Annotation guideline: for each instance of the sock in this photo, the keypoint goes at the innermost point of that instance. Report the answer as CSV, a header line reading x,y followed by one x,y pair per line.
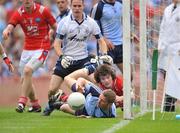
x,y
63,98
22,100
35,103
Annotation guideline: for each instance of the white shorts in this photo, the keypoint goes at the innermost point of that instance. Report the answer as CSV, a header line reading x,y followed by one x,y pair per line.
x,y
33,59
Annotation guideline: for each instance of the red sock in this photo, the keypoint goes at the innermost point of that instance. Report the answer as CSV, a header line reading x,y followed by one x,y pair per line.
x,y
64,98
35,103
23,100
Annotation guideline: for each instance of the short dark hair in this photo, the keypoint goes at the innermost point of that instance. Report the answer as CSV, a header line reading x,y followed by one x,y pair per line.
x,y
110,95
104,70
82,1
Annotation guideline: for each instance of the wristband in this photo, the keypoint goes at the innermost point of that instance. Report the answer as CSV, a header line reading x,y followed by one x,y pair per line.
x,y
4,56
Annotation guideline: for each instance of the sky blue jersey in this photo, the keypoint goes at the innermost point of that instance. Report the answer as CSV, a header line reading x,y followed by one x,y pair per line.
x,y
91,108
109,18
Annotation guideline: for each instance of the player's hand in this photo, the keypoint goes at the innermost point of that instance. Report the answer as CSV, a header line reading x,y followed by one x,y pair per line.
x,y
106,59
109,44
9,64
6,34
66,61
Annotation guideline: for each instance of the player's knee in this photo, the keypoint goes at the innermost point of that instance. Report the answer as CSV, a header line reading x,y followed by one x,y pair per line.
x,y
66,79
27,71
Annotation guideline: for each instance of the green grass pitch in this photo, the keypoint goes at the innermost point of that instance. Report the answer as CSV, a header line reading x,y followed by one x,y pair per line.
x,y
58,122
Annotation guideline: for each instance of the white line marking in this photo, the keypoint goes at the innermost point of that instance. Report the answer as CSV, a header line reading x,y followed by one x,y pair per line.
x,y
117,126
121,124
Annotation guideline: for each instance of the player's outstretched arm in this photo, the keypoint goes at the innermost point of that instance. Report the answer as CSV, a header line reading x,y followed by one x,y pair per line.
x,y
7,31
6,59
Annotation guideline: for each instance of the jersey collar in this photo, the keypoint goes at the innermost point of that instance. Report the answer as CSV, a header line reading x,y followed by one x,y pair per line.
x,y
84,18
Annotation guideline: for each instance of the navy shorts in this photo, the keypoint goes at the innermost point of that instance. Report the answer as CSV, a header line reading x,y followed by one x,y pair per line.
x,y
117,54
75,65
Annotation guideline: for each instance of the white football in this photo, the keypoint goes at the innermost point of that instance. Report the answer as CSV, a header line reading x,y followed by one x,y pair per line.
x,y
76,100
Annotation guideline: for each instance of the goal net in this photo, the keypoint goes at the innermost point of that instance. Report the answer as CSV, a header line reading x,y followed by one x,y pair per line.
x,y
145,19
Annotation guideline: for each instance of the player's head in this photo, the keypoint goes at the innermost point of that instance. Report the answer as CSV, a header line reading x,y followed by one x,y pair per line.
x,y
105,75
106,99
176,1
28,4
62,5
77,7
111,1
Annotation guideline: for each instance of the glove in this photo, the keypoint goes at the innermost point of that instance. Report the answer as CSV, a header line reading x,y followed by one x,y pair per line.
x,y
65,61
106,59
8,63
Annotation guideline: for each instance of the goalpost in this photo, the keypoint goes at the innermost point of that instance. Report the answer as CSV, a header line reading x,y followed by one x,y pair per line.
x,y
127,58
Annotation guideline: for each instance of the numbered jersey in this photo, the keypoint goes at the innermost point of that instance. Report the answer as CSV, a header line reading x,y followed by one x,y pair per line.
x,y
35,26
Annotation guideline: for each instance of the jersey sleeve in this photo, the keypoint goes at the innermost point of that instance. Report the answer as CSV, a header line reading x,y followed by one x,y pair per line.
x,y
61,29
49,17
93,89
96,30
15,19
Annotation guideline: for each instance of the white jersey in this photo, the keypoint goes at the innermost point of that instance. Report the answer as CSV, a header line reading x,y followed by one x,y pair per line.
x,y
76,35
169,37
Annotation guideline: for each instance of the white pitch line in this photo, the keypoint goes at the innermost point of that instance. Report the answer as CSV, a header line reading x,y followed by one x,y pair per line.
x,y
122,124
117,126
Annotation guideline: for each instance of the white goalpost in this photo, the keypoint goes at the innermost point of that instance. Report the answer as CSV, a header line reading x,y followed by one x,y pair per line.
x,y
126,60
143,56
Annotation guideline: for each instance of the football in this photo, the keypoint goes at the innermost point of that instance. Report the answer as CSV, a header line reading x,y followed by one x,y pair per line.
x,y
76,100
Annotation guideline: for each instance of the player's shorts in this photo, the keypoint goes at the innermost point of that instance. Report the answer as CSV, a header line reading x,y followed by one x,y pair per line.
x,y
33,59
75,65
117,54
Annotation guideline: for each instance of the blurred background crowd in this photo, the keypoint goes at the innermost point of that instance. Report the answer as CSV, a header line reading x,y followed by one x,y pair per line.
x,y
14,47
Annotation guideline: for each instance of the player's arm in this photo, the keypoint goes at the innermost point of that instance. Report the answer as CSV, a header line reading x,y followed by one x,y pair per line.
x,y
103,47
57,46
7,31
52,32
102,44
71,78
51,22
96,14
6,59
84,86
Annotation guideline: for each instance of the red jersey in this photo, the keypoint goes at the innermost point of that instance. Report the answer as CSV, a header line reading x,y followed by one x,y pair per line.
x,y
117,86
35,26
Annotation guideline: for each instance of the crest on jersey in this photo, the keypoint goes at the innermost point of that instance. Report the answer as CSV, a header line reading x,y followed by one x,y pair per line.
x,y
37,20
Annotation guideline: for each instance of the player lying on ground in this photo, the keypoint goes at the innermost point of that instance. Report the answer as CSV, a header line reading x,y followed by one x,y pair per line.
x,y
6,59
105,77
99,103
